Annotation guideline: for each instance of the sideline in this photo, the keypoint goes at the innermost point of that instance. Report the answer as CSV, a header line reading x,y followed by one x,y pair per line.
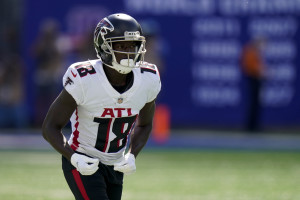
x,y
183,139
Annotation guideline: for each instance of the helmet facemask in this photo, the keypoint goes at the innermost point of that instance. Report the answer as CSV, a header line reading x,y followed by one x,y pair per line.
x,y
131,57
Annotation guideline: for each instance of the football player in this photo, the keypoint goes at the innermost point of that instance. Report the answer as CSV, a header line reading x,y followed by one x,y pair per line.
x,y
107,100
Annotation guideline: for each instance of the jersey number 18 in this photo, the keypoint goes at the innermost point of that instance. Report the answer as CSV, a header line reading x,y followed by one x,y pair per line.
x,y
120,127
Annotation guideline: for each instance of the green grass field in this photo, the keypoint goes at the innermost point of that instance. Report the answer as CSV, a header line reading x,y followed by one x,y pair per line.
x,y
164,175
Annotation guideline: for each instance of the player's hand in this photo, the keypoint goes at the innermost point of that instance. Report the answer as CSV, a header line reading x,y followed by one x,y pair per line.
x,y
127,165
85,165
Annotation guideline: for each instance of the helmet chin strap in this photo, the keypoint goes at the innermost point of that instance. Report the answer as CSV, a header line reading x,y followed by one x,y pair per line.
x,y
124,67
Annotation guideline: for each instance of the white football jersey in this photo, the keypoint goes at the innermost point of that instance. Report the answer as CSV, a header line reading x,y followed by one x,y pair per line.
x,y
104,118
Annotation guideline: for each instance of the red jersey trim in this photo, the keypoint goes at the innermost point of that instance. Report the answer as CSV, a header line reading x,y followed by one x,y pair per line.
x,y
75,143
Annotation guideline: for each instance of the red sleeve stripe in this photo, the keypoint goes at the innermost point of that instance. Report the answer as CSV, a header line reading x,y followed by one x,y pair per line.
x,y
75,142
79,184
148,70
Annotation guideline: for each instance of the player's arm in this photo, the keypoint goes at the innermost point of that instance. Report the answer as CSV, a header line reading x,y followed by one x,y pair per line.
x,y
143,128
57,117
138,139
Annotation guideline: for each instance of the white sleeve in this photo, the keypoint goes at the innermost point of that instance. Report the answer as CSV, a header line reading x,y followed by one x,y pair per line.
x,y
155,86
72,83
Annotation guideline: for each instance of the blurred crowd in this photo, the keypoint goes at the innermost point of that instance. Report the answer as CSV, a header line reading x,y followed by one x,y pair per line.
x,y
12,109
52,52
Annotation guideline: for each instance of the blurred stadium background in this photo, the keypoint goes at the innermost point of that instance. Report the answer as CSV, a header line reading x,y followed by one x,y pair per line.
x,y
203,121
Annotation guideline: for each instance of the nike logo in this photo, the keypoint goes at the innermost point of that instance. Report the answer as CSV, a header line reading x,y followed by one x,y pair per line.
x,y
73,74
